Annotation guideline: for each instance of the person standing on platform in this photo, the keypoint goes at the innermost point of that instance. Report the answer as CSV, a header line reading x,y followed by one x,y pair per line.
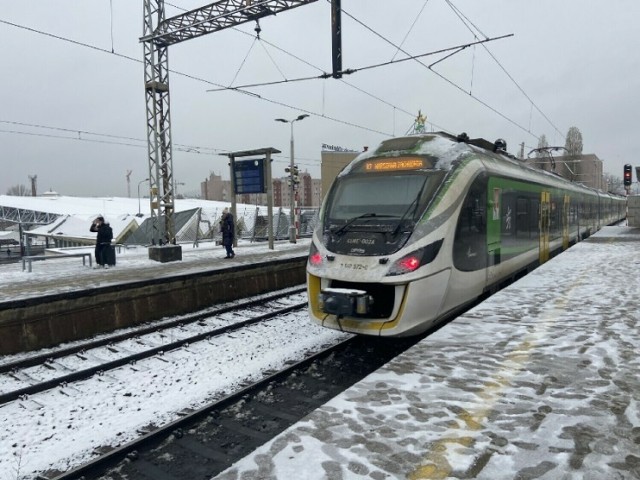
x,y
103,240
227,227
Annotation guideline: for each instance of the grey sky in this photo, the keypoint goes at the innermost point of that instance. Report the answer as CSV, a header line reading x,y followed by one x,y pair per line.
x,y
576,60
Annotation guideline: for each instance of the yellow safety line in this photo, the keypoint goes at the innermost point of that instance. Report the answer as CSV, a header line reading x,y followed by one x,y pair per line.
x,y
436,466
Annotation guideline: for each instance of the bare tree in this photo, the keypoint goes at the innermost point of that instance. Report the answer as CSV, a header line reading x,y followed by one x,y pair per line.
x,y
614,184
19,191
573,143
542,143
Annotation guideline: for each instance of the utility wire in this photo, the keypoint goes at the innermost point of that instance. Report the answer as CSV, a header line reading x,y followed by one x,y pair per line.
x,y
371,95
193,77
456,49
462,18
111,12
450,82
105,135
243,61
200,150
411,28
271,58
322,115
395,107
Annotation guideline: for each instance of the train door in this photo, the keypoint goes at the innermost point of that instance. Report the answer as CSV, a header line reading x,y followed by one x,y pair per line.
x,y
494,229
565,222
545,214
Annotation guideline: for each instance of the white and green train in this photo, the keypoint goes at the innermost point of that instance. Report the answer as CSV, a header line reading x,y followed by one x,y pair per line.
x,y
423,225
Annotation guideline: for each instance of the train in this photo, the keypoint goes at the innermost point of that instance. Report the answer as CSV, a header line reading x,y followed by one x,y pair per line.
x,y
422,226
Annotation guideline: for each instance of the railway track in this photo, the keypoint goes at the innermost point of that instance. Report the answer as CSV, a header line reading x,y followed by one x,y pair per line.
x,y
39,373
204,442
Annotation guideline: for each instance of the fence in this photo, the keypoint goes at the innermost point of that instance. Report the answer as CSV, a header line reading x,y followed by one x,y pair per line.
x,y
251,224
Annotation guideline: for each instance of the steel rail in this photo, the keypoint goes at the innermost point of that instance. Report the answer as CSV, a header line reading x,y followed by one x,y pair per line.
x,y
88,372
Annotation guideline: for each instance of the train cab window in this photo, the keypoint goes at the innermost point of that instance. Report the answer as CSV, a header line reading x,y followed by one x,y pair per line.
x,y
470,243
397,195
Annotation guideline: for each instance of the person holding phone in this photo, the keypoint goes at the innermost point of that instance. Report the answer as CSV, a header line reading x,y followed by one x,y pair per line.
x,y
103,241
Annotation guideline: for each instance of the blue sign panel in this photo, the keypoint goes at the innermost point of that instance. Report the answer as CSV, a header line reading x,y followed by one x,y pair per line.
x,y
249,176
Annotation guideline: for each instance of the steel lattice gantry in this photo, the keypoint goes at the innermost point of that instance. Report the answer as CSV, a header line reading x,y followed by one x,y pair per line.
x,y
159,34
26,216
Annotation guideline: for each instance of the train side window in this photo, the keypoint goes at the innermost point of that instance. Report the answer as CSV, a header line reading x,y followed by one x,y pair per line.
x,y
522,217
470,243
534,224
507,227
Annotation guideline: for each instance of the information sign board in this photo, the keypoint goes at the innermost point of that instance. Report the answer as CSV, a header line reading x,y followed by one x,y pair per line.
x,y
249,176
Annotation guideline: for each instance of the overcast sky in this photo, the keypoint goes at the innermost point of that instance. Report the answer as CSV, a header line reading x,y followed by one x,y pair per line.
x,y
568,63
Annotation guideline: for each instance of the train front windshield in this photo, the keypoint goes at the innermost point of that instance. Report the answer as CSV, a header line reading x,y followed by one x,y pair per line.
x,y
398,195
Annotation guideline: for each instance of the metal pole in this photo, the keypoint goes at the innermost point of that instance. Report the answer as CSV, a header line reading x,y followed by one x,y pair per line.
x,y
292,218
139,183
269,181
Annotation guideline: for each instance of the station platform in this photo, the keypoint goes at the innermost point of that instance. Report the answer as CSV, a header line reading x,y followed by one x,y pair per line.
x,y
62,299
541,381
132,265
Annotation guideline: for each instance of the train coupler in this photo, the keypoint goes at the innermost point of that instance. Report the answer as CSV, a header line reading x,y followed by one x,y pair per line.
x,y
344,301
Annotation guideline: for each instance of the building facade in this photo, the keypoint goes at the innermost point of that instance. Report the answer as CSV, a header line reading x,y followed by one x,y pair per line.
x,y
309,191
584,169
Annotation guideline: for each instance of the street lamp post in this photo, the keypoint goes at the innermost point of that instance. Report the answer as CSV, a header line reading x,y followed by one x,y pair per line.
x,y
139,183
292,224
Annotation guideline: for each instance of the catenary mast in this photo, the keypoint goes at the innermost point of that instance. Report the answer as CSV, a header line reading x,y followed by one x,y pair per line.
x,y
159,33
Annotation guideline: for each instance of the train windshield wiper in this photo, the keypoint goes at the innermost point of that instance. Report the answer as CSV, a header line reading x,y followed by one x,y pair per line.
x,y
344,227
414,205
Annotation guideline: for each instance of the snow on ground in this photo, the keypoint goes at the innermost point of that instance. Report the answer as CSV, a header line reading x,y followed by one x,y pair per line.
x,y
540,381
60,275
63,428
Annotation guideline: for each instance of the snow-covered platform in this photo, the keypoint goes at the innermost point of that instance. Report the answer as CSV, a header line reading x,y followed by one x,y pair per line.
x,y
62,300
540,381
133,265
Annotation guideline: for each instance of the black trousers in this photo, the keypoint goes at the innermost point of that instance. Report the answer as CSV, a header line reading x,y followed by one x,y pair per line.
x,y
100,253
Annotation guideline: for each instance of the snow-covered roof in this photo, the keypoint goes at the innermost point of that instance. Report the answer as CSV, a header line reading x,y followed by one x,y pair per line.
x,y
77,213
106,206
77,226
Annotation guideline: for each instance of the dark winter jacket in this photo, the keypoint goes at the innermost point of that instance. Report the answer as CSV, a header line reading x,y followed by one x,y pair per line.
x,y
105,233
227,228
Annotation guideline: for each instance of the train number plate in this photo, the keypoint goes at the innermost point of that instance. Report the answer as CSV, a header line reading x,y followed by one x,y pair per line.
x,y
354,266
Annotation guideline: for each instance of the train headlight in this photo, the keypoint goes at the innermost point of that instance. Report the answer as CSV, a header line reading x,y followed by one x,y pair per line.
x,y
415,259
315,257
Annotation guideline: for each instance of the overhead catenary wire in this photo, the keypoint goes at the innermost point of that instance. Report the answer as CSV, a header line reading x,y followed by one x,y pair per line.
x,y
450,82
309,64
193,77
464,19
193,149
243,61
452,50
415,20
341,80
97,134
111,14
261,97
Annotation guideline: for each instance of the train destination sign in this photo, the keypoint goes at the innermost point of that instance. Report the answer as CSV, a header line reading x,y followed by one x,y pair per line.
x,y
249,176
392,164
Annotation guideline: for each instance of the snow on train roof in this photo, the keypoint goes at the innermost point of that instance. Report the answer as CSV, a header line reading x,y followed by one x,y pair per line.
x,y
445,149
